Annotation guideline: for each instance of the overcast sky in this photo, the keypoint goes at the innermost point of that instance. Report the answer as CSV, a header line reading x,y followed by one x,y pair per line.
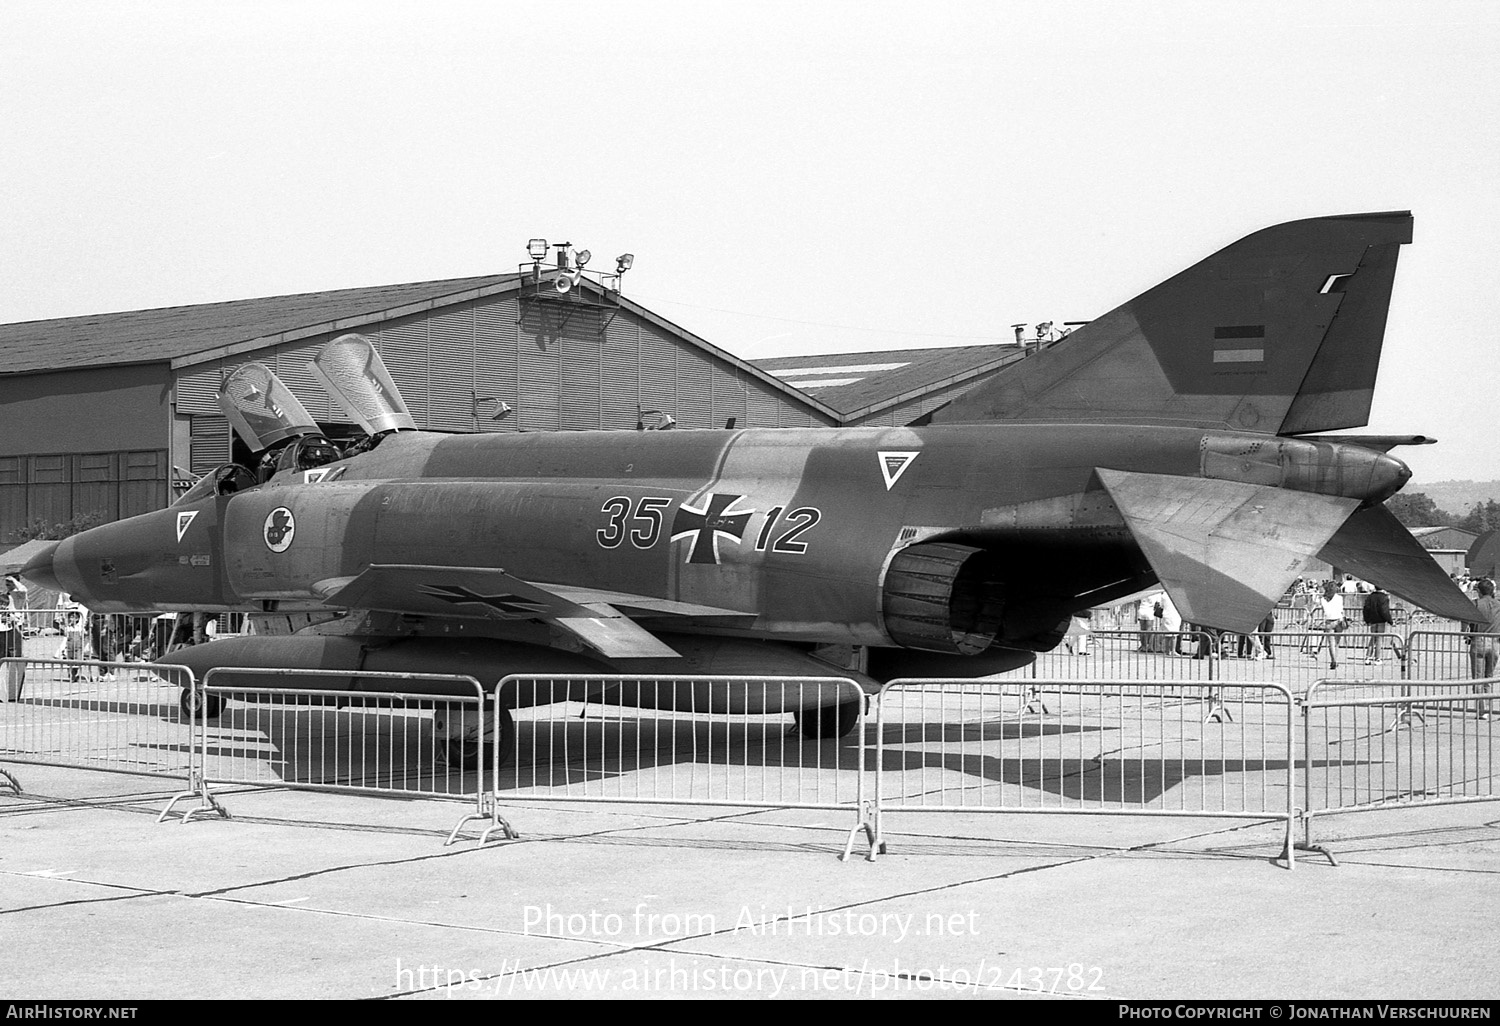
x,y
793,178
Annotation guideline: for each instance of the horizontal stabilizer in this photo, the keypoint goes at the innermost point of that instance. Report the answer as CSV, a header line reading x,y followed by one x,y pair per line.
x,y
1225,551
1373,546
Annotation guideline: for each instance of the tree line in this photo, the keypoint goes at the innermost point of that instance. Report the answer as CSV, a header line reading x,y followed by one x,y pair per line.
x,y
1416,509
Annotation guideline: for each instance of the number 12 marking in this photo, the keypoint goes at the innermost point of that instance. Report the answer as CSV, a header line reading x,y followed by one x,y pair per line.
x,y
806,518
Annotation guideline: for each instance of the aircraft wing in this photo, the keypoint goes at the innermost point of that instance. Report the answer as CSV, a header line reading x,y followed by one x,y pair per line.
x,y
648,606
483,593
1225,551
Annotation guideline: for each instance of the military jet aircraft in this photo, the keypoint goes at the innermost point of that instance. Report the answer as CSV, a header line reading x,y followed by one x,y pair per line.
x,y
1168,440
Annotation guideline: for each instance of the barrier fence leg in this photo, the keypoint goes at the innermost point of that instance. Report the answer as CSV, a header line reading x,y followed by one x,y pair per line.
x,y
1405,713
1307,842
1307,793
497,822
197,765
489,800
11,781
486,809
864,821
206,800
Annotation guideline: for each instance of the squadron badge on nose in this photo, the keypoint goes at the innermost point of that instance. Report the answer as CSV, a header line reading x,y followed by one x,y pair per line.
x,y
279,529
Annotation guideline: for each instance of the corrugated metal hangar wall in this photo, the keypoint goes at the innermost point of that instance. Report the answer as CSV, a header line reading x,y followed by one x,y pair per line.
x,y
560,366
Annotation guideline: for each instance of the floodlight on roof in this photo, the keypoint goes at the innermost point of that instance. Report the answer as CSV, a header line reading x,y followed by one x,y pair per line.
x,y
623,262
536,248
581,257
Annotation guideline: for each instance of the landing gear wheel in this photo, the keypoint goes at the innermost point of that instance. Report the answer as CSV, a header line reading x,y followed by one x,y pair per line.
x,y
207,707
828,722
472,753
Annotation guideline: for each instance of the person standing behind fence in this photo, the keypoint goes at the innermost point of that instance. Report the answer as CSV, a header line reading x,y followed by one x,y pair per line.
x,y
1145,616
1482,643
75,638
1377,615
1171,624
1333,622
1263,635
11,636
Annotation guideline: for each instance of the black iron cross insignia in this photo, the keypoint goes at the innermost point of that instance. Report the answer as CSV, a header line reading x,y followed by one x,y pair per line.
x,y
717,518
510,605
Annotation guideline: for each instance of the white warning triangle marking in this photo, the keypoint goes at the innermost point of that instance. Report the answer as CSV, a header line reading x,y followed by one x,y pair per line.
x,y
183,520
894,464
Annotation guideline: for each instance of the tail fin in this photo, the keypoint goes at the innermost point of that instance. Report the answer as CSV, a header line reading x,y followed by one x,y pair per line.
x,y
1278,333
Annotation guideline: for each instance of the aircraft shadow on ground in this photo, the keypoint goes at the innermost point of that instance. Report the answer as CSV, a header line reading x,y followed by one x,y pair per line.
x,y
594,756
359,748
162,711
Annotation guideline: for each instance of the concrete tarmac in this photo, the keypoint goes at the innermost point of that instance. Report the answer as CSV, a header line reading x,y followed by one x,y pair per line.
x,y
316,895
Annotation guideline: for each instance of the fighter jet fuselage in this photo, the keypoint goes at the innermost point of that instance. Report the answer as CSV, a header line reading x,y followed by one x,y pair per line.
x,y
791,534
1170,440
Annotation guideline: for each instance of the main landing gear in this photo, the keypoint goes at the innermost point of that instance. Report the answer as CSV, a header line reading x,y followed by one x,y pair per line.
x,y
195,705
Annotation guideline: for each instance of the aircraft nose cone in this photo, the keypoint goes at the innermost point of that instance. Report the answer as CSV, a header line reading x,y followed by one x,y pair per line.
x,y
40,571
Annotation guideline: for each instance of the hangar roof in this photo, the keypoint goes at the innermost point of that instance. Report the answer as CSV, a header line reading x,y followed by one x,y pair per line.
x,y
203,332
151,336
859,384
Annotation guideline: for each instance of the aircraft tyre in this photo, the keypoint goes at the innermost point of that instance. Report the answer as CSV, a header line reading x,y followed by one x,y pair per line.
x,y
471,753
828,722
207,707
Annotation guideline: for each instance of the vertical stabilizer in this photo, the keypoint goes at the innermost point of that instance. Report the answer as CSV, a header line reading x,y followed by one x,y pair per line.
x,y
1277,333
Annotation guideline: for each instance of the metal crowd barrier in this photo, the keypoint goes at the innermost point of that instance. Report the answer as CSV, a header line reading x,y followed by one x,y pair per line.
x,y
370,742
89,714
1377,745
695,740
1131,655
1446,655
1142,747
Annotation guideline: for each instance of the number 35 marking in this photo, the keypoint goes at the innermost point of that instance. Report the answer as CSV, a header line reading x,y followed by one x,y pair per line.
x,y
647,521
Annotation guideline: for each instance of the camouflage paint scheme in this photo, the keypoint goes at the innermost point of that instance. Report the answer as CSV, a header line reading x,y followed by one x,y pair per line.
x,y
1152,445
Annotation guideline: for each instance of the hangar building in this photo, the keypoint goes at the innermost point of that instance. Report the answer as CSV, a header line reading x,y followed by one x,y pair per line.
x,y
104,415
108,415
